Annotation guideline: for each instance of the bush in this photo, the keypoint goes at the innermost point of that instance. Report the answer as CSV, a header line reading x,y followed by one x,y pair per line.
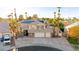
x,y
76,46
73,40
61,26
74,32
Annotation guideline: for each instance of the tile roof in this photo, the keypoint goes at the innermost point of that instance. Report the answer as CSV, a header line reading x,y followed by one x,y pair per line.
x,y
4,27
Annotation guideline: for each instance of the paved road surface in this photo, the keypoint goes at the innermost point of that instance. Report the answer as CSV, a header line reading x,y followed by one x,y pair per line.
x,y
60,43
4,47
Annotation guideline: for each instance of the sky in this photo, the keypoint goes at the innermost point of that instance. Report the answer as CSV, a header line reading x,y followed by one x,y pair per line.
x,y
22,6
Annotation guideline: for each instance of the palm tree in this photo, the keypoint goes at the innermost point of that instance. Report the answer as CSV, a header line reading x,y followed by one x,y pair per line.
x,y
55,23
26,15
13,25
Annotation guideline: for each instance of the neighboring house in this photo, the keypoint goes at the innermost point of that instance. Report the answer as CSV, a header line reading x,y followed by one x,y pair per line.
x,y
66,23
36,28
72,25
69,28
4,27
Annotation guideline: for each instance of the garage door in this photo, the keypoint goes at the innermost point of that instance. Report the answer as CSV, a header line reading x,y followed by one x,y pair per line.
x,y
39,34
0,35
48,34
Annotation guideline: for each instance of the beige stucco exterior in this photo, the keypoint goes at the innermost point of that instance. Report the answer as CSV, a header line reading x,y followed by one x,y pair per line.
x,y
38,29
42,34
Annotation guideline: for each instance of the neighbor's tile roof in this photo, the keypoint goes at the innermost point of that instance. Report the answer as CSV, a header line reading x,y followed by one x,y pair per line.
x,y
4,27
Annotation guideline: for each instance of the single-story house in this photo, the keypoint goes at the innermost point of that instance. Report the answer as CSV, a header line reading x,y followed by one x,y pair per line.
x,y
4,28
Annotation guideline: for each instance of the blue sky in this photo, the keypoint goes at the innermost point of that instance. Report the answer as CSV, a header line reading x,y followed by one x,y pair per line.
x,y
41,11
70,12
41,7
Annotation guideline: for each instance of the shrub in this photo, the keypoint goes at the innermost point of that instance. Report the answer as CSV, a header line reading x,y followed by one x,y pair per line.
x,y
73,40
61,26
74,32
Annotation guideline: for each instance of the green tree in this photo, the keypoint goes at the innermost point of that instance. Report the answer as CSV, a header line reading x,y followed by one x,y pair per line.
x,y
61,26
50,21
25,15
21,17
57,25
1,19
35,17
13,25
28,18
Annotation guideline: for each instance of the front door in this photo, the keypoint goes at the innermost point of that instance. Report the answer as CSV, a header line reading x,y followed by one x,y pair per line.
x,y
25,32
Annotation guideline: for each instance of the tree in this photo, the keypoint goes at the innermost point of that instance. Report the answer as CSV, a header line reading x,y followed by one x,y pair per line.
x,y
13,25
54,23
74,32
28,18
1,19
43,18
35,17
75,19
57,26
61,26
21,17
25,15
50,21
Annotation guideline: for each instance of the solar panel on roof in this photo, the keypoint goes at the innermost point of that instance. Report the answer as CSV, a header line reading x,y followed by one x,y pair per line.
x,y
27,21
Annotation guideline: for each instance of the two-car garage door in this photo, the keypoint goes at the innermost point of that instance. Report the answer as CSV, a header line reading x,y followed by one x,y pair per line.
x,y
41,34
37,34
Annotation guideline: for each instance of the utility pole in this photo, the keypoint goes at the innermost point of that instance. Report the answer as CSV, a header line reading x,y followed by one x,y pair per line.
x,y
15,14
